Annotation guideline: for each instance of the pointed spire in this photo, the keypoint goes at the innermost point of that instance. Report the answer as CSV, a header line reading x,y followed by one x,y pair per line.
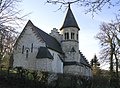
x,y
69,20
68,5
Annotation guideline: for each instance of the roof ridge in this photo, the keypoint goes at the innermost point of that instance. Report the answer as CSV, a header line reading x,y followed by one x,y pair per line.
x,y
28,23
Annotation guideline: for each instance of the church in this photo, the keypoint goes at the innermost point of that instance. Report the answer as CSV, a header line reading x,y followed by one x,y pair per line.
x,y
56,52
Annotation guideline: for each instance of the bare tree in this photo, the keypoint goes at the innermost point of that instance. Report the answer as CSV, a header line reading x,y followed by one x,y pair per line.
x,y
109,38
9,14
7,40
91,5
10,20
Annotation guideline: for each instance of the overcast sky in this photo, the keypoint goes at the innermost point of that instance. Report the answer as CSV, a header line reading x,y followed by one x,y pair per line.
x,y
46,18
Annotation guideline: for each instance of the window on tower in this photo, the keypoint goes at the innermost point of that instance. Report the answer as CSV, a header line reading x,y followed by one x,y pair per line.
x,y
77,36
72,35
66,36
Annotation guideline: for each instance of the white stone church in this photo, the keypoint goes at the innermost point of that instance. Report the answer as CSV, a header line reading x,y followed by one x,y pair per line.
x,y
56,52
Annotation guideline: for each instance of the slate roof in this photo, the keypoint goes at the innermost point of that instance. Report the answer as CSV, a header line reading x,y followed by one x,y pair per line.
x,y
83,60
50,41
69,20
43,52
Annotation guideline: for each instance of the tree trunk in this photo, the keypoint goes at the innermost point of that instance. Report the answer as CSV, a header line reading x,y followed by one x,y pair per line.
x,y
111,65
111,59
117,75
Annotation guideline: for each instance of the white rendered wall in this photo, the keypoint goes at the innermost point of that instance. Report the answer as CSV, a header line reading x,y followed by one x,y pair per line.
x,y
52,65
73,69
44,64
28,37
57,64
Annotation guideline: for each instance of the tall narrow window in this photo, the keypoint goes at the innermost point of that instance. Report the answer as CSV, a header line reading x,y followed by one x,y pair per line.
x,y
72,35
27,53
31,47
77,36
66,36
23,49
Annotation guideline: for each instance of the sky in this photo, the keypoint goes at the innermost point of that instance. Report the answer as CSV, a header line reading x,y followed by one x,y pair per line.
x,y
46,17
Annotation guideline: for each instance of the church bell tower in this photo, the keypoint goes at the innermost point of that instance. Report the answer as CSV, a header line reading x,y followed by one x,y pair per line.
x,y
70,41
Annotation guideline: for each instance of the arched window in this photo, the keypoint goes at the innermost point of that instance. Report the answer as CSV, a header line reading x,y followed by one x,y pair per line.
x,y
66,36
27,53
77,36
72,35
